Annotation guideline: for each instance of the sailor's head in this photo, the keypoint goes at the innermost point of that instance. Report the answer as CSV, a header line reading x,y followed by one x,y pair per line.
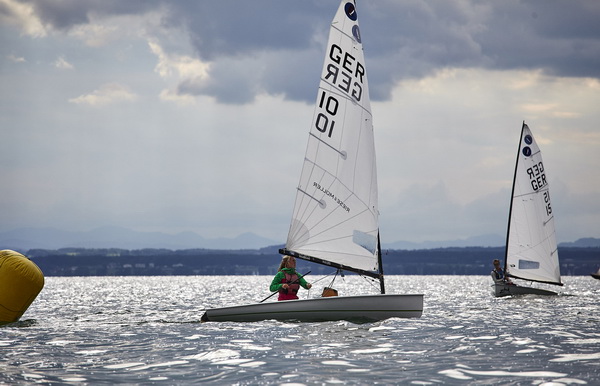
x,y
496,263
290,261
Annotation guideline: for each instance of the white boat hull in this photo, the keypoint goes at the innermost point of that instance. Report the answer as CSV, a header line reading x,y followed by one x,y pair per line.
x,y
513,289
358,309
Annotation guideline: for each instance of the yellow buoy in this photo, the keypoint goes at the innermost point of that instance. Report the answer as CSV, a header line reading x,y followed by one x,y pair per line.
x,y
20,282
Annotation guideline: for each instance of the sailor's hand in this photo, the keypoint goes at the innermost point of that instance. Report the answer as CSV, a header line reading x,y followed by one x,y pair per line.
x,y
284,286
308,285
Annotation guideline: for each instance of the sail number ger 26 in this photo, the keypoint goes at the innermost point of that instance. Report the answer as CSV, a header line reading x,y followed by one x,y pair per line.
x,y
537,178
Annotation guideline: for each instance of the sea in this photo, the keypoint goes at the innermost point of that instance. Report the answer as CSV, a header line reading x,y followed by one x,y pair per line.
x,y
147,330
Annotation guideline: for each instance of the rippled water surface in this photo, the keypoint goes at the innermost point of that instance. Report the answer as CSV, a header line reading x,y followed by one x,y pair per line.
x,y
144,330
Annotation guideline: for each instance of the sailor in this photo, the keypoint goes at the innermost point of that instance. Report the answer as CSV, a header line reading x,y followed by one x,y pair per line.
x,y
287,281
498,274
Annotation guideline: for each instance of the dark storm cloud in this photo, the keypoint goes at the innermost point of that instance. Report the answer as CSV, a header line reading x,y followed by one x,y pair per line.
x,y
560,37
228,27
64,14
278,45
408,39
273,43
412,39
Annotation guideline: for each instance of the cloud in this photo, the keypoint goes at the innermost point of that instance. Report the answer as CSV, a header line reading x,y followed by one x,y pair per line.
x,y
185,69
275,47
23,16
62,64
16,59
106,94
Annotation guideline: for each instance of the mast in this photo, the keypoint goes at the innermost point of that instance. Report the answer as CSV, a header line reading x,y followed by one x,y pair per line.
x,y
380,264
512,197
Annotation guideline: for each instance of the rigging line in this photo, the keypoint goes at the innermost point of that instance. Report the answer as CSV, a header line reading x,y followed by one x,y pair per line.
x,y
370,281
323,278
333,280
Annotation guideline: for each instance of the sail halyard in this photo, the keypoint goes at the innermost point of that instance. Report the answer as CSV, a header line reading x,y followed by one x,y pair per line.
x,y
531,250
335,216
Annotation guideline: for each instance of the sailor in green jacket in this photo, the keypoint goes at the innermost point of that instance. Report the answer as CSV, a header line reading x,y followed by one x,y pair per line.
x,y
287,281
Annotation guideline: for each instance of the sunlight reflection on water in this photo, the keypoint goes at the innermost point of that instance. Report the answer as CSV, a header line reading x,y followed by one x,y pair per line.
x,y
146,329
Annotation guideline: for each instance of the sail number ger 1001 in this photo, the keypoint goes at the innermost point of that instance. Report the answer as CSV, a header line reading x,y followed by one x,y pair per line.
x,y
347,74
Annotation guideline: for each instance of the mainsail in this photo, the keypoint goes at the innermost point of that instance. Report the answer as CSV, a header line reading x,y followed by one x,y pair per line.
x,y
335,217
531,251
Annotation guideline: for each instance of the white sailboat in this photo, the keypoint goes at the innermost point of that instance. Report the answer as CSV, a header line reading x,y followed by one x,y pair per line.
x,y
335,217
531,251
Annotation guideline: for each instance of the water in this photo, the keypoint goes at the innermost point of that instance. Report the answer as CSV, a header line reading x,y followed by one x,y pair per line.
x,y
143,330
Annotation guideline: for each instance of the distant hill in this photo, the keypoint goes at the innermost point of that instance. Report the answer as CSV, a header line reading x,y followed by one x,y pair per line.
x,y
587,242
489,240
119,237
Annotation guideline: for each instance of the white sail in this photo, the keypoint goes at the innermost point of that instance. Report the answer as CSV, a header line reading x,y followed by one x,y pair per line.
x,y
335,216
531,251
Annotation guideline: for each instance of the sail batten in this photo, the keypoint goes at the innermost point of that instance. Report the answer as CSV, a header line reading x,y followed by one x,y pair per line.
x,y
531,249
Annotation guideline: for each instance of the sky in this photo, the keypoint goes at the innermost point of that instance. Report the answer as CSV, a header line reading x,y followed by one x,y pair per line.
x,y
179,116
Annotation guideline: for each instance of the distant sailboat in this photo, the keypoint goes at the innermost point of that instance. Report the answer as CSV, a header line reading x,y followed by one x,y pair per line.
x,y
531,251
596,275
335,217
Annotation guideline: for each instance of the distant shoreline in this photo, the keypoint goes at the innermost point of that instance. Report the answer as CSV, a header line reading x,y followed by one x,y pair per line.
x,y
165,262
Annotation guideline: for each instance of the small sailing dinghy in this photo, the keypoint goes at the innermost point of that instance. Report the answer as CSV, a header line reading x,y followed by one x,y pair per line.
x,y
335,217
531,252
596,275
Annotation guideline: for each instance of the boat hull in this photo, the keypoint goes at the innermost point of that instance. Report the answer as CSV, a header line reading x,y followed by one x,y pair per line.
x,y
501,290
357,309
595,275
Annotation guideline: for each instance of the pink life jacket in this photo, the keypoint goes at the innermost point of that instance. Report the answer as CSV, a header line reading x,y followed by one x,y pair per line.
x,y
290,293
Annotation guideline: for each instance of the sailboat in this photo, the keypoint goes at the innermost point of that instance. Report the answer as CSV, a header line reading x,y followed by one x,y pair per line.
x,y
531,251
596,275
335,216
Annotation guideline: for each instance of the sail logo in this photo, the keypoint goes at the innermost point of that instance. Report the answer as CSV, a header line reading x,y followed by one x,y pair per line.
x,y
356,33
537,178
350,10
332,196
345,72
